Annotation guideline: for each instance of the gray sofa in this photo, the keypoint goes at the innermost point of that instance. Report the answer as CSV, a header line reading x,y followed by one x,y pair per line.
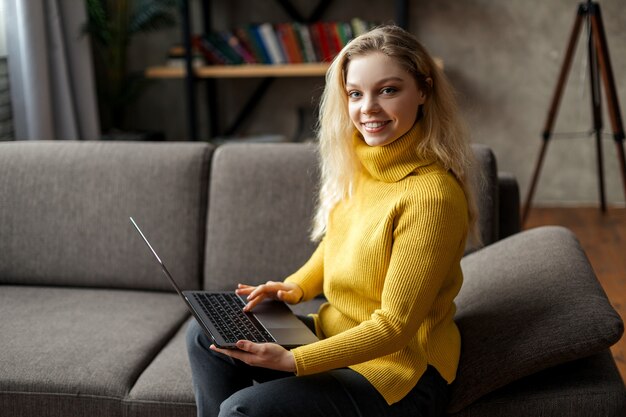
x,y
90,327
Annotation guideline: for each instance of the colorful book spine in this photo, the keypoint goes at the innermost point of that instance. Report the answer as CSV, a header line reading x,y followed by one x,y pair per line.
x,y
359,26
246,42
320,40
237,46
307,44
251,34
288,40
211,54
282,43
232,57
269,39
344,32
332,37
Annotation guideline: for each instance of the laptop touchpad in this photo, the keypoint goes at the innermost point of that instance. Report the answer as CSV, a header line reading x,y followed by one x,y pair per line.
x,y
275,314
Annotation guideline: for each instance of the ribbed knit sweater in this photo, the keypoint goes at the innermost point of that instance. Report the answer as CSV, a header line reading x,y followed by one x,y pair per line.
x,y
389,266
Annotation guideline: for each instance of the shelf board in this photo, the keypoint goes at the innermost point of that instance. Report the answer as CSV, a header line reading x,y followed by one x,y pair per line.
x,y
317,69
242,71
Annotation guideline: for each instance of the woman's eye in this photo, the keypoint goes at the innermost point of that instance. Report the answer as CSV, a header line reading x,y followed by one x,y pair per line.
x,y
354,94
388,90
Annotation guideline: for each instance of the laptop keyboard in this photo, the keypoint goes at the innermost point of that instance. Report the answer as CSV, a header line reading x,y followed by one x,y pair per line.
x,y
225,312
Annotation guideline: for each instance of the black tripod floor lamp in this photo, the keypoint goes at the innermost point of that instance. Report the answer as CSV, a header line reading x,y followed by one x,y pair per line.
x,y
599,65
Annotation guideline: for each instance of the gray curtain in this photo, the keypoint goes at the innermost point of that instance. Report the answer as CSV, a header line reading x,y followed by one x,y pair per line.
x,y
6,114
50,68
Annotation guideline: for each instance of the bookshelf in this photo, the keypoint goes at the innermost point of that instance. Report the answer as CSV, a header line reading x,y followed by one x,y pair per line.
x,y
267,73
242,71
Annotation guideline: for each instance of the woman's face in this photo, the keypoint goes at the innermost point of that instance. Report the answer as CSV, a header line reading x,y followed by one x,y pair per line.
x,y
383,98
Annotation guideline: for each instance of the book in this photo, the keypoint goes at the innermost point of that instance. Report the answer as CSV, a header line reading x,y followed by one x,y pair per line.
x,y
212,55
287,38
315,40
270,41
237,46
320,40
281,36
359,26
232,57
344,31
332,37
281,43
251,36
304,35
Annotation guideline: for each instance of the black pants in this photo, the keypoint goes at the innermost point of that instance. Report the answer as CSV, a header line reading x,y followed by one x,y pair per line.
x,y
224,386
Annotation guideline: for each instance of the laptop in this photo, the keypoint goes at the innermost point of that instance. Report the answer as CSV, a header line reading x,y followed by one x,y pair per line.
x,y
220,315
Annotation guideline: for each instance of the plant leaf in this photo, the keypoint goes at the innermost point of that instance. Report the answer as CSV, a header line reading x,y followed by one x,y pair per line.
x,y
97,24
152,15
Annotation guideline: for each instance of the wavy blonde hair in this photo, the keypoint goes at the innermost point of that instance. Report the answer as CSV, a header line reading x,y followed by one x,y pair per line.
x,y
444,133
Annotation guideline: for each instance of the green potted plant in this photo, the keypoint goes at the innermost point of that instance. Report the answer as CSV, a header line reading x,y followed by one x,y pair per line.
x,y
111,25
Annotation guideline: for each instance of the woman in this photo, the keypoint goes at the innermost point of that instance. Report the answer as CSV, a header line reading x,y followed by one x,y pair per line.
x,y
395,210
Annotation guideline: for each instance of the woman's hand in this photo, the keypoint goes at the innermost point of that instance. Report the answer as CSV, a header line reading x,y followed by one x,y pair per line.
x,y
284,291
265,355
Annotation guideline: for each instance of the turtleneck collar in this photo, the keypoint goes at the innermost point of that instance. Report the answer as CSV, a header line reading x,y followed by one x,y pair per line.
x,y
392,162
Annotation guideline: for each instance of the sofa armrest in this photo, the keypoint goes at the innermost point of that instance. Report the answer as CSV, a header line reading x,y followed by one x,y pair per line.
x,y
509,205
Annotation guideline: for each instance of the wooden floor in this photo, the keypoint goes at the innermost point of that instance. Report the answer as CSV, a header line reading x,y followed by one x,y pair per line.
x,y
603,238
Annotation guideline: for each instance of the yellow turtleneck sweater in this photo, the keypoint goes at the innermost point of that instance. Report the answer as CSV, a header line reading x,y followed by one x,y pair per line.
x,y
389,266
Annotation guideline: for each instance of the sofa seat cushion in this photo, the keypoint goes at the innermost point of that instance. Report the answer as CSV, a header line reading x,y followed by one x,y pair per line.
x,y
586,387
164,388
66,349
528,302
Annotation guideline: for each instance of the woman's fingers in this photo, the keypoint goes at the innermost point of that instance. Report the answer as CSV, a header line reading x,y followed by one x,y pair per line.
x,y
253,302
243,289
287,292
269,288
266,355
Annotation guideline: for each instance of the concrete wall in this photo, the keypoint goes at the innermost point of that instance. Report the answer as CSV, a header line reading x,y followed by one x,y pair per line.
x,y
502,56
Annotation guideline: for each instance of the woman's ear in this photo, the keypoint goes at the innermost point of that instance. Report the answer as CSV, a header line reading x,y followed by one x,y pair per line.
x,y
424,92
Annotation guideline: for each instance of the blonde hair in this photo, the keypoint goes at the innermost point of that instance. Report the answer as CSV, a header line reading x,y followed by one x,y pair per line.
x,y
444,133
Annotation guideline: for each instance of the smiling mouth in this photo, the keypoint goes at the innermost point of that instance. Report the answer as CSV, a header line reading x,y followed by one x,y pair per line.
x,y
373,127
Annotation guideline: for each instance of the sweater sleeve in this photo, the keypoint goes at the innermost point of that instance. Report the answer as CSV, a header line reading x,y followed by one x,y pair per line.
x,y
430,233
310,277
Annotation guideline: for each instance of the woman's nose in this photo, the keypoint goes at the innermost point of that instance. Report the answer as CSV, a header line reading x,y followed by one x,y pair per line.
x,y
370,105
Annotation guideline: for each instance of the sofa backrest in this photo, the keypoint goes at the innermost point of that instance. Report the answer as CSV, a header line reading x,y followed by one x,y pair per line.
x,y
261,203
65,207
487,193
262,199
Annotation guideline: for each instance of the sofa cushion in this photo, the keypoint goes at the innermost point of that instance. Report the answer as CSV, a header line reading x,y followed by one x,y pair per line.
x,y
164,388
528,302
586,387
79,351
262,200
65,208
